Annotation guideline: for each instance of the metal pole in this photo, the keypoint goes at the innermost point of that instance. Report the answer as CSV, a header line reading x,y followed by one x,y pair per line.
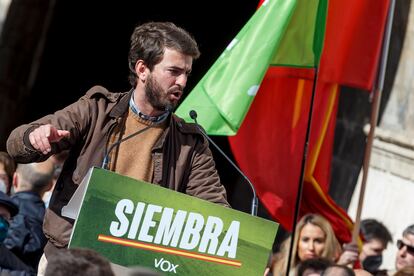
x,y
302,172
377,92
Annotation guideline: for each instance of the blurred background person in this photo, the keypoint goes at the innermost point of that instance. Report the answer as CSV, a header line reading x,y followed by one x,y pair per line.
x,y
313,267
25,237
78,261
405,254
405,271
362,272
314,237
133,271
58,160
10,264
376,238
7,168
338,270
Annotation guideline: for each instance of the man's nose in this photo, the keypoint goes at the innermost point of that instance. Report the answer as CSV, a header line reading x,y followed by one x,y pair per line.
x,y
182,80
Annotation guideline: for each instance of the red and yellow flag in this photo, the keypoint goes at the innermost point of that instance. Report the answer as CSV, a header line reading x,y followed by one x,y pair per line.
x,y
269,143
283,43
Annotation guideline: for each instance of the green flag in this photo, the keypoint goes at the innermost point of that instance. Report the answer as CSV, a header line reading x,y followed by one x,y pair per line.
x,y
281,32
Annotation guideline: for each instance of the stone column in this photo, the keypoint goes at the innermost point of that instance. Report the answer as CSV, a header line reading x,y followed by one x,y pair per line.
x,y
399,111
390,186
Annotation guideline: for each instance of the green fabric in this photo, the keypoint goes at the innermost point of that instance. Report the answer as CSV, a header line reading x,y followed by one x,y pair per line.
x,y
319,30
280,32
297,48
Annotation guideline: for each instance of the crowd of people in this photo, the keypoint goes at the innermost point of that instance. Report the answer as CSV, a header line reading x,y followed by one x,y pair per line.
x,y
316,251
98,129
22,210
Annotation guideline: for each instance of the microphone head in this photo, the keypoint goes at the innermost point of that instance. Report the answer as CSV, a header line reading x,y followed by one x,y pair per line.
x,y
193,114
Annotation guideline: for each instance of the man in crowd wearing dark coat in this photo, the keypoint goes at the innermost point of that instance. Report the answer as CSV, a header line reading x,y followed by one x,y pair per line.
x,y
9,263
25,237
376,238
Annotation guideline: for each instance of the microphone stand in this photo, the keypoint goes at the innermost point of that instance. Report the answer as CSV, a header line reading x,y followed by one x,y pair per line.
x,y
105,161
255,201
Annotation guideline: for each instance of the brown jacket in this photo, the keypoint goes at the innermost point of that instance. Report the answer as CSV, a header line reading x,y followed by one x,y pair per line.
x,y
182,159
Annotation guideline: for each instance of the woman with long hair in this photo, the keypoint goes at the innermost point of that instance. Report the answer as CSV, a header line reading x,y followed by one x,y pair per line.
x,y
314,237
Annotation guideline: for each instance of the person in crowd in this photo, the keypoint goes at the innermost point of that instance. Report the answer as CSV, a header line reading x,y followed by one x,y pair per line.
x,y
58,160
10,264
269,265
78,261
405,271
405,254
7,168
338,270
376,238
25,237
313,267
133,271
362,272
168,151
314,237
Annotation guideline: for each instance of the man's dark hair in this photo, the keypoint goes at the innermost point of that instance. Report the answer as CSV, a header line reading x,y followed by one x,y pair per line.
x,y
409,230
149,40
315,264
373,229
78,261
338,270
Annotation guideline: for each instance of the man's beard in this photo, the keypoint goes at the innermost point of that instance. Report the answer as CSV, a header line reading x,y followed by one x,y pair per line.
x,y
157,97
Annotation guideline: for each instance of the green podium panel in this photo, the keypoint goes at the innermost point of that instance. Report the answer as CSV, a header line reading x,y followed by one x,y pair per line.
x,y
134,223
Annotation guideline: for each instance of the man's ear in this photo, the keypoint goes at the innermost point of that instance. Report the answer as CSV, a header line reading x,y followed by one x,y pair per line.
x,y
141,70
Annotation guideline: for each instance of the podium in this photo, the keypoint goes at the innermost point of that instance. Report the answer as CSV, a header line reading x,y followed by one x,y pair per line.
x,y
132,223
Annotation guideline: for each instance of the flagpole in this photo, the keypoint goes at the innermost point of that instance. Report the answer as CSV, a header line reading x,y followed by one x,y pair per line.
x,y
302,171
377,93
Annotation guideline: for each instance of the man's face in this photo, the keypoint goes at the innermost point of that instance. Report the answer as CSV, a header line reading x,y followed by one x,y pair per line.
x,y
405,255
373,247
4,179
165,84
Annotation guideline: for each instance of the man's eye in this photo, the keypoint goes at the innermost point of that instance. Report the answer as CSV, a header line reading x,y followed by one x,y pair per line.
x,y
174,72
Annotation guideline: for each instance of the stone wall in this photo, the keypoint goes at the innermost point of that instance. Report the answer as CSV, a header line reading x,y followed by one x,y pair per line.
x,y
390,186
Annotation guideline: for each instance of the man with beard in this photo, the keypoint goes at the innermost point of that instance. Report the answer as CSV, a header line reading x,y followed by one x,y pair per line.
x,y
168,151
405,253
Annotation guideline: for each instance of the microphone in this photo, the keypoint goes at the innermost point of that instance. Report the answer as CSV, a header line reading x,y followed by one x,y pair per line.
x,y
255,201
105,161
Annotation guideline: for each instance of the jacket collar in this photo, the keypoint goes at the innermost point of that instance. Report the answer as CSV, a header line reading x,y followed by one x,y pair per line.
x,y
27,195
176,124
122,106
174,121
